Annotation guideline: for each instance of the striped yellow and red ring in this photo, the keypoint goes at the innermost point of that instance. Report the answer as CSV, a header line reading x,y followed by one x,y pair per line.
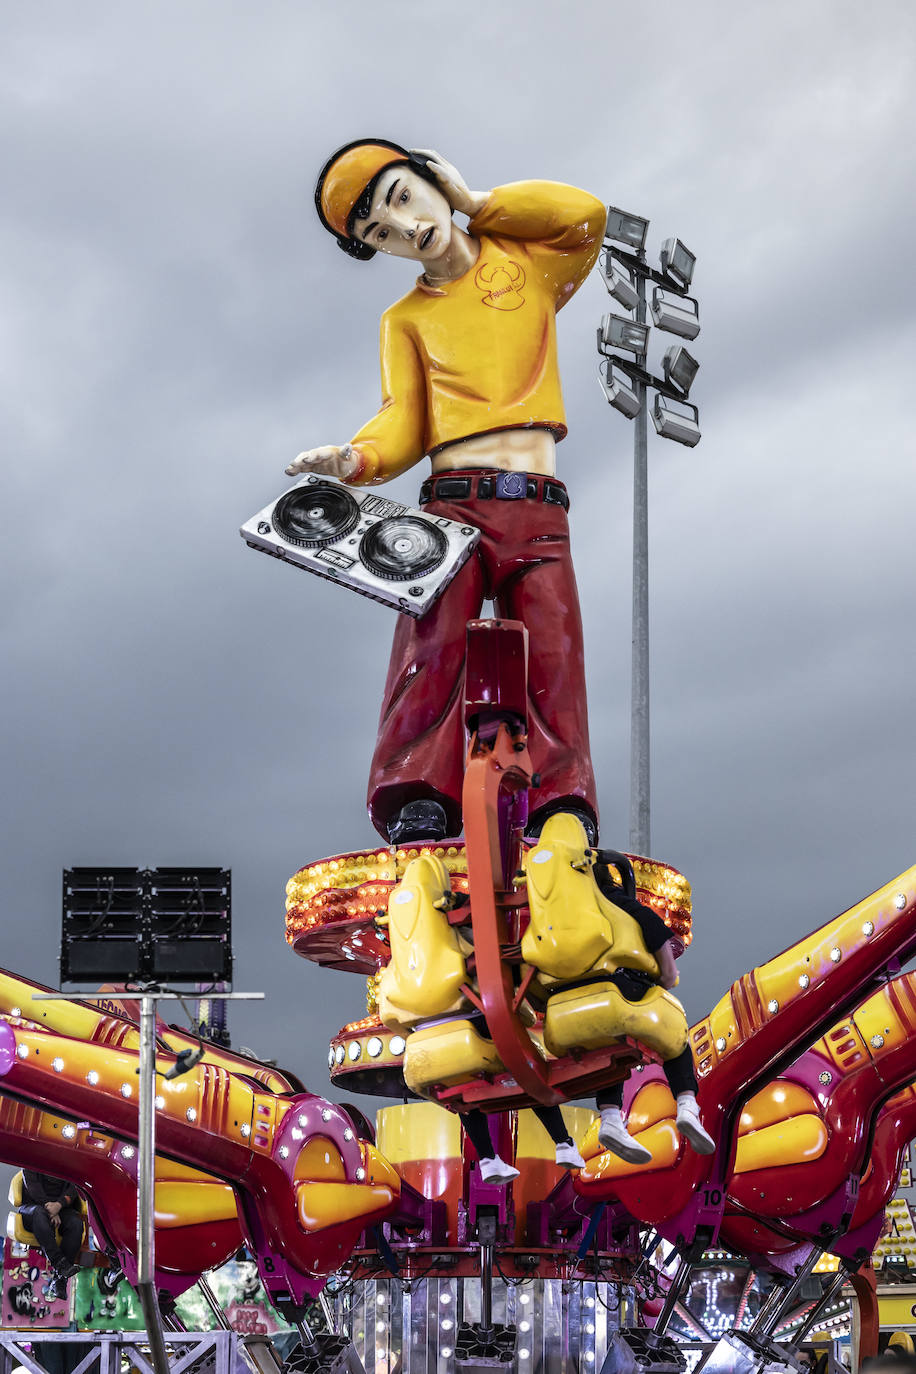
x,y
349,890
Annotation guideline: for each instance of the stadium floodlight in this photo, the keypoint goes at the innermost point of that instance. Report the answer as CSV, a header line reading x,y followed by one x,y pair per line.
x,y
677,314
619,282
616,331
618,388
678,261
672,423
626,228
628,387
680,367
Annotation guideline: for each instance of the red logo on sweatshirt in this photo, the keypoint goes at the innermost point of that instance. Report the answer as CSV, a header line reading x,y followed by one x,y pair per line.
x,y
501,283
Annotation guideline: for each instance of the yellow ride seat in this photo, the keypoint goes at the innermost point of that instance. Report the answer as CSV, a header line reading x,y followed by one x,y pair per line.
x,y
576,933
15,1224
454,1051
427,968
573,930
422,983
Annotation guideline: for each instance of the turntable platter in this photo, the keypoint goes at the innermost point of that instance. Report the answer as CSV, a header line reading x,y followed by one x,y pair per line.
x,y
314,515
403,548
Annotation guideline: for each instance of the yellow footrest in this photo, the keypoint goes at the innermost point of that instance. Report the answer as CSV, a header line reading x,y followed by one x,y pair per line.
x,y
595,1014
448,1053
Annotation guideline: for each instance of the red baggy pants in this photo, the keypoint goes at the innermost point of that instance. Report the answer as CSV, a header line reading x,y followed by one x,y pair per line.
x,y
523,564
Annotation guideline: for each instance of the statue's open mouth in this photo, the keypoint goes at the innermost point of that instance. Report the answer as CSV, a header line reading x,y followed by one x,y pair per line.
x,y
427,238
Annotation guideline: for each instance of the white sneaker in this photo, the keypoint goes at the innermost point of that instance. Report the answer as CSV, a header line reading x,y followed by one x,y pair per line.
x,y
614,1136
691,1127
496,1170
568,1157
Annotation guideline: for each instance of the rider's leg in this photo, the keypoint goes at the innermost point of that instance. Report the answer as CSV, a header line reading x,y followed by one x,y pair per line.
x,y
683,1084
492,1168
567,1153
613,1134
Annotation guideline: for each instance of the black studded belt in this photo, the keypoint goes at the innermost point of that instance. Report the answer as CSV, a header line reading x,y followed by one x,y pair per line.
x,y
493,485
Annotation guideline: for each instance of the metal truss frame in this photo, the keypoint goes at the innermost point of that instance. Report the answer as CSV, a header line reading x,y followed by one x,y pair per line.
x,y
213,1351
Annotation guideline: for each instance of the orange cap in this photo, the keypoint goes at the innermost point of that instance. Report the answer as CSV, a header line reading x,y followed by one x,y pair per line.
x,y
347,175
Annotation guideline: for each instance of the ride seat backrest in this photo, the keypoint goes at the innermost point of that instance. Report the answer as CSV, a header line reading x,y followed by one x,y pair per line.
x,y
428,963
15,1226
574,930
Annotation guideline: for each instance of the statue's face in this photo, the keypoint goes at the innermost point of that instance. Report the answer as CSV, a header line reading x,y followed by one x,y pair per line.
x,y
408,218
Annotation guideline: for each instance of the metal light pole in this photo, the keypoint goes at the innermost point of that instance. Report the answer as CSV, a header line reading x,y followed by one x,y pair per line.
x,y
639,669
146,1162
146,1183
626,272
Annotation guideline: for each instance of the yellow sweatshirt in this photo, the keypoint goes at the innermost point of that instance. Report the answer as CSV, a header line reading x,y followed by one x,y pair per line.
x,y
480,353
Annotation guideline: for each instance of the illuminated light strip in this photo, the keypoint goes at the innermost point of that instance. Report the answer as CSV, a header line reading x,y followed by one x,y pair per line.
x,y
658,884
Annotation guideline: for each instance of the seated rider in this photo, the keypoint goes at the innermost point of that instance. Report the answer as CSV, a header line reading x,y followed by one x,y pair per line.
x,y
50,1209
634,984
470,378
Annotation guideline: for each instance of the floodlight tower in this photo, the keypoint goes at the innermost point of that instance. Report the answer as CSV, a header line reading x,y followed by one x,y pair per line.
x,y
626,383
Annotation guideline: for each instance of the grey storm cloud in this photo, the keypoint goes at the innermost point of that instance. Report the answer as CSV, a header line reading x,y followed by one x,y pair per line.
x,y
176,326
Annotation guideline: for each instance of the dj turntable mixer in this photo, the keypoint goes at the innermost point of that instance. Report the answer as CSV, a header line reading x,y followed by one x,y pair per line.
x,y
377,547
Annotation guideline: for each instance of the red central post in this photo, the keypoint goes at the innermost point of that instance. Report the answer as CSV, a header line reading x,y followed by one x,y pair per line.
x,y
494,802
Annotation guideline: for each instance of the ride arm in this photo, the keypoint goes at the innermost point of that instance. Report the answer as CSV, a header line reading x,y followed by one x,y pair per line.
x,y
776,1011
225,1125
395,438
769,1017
22,1001
562,228
197,1222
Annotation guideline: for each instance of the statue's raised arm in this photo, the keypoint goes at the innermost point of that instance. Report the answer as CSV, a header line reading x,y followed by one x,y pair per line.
x,y
455,369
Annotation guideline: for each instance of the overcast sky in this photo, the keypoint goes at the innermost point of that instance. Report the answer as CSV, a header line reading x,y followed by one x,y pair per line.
x,y
176,326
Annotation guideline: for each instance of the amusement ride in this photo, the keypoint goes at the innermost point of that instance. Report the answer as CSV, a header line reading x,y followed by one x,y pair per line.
x,y
487,1219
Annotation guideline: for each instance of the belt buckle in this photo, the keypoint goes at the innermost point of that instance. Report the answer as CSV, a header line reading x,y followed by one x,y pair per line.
x,y
511,486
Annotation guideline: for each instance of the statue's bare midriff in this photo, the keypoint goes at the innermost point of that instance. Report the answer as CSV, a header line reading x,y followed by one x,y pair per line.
x,y
512,450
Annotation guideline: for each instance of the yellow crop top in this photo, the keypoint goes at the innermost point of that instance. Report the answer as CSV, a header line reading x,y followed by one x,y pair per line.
x,y
480,353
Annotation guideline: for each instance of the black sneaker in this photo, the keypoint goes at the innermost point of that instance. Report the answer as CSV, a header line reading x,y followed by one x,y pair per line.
x,y
58,1287
418,820
108,1280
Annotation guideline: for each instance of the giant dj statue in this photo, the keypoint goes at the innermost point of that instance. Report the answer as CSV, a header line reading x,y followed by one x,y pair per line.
x,y
470,377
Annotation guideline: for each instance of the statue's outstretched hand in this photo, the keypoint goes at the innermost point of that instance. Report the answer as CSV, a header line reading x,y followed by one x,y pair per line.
x,y
452,184
329,460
